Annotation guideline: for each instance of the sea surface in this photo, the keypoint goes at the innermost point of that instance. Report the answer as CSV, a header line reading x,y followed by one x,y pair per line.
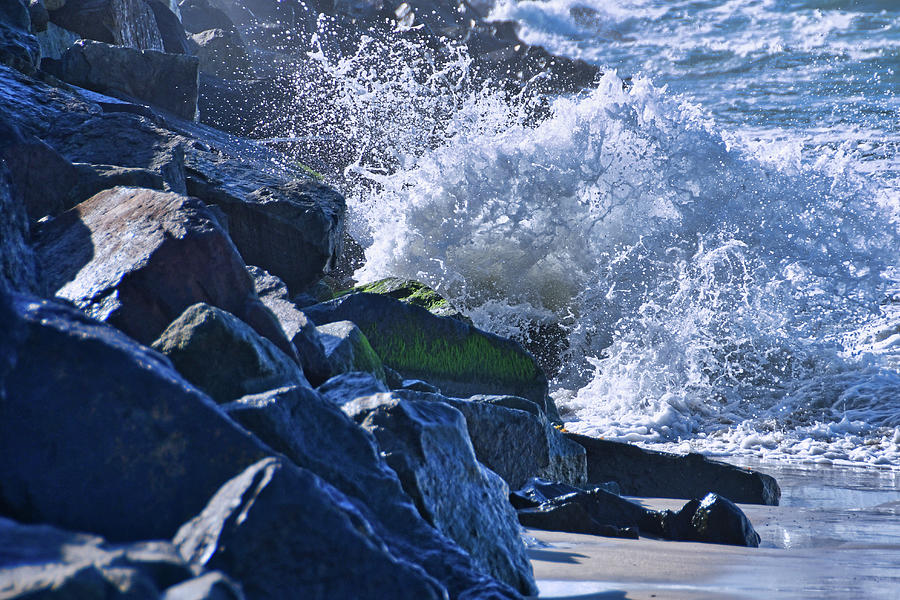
x,y
714,228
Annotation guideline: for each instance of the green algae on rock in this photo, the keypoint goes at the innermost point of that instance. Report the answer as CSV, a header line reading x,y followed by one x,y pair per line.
x,y
412,292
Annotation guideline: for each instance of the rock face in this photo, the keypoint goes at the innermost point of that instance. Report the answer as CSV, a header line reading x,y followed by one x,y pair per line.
x,y
515,444
284,532
18,48
100,434
167,81
314,433
642,472
43,179
454,356
293,231
222,54
129,23
138,258
17,261
413,292
223,356
347,349
427,445
347,387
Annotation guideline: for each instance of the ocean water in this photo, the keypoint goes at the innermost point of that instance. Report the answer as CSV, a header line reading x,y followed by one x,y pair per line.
x,y
714,228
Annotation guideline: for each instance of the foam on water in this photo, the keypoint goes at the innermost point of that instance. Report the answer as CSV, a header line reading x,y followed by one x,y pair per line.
x,y
721,296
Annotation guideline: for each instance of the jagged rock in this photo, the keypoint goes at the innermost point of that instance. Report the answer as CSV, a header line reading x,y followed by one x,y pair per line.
x,y
716,520
413,292
223,356
293,230
17,260
200,15
417,385
171,30
515,444
456,357
167,81
300,330
571,517
641,472
93,179
347,387
211,586
100,434
42,177
222,54
347,349
39,16
129,23
138,258
19,49
55,40
427,445
248,107
314,433
282,531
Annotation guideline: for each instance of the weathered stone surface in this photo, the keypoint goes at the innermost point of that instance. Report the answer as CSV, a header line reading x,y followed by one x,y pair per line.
x,y
100,434
299,330
427,445
313,432
282,531
513,443
716,520
347,349
223,356
129,23
293,230
171,30
454,356
39,15
42,177
17,260
18,47
571,517
167,81
55,40
222,54
347,387
138,258
413,292
641,472
211,586
201,15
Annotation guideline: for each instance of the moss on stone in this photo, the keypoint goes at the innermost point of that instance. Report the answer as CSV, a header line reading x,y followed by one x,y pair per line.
x,y
411,292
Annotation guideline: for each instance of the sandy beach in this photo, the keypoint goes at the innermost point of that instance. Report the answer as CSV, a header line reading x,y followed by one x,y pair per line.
x,y
835,535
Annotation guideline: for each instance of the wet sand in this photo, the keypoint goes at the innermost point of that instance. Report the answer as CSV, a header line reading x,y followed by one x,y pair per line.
x,y
836,535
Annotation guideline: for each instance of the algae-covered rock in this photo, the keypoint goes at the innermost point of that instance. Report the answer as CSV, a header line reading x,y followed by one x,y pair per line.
x,y
413,292
223,356
348,350
458,358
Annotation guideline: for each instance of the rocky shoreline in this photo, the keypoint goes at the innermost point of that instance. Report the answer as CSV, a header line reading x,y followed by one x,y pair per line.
x,y
196,401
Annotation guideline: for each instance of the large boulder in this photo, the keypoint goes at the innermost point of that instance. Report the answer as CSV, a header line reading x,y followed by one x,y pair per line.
x,y
17,260
513,442
456,357
716,520
427,445
222,54
284,532
348,350
171,30
201,15
167,81
18,47
313,432
100,434
138,258
223,356
55,40
650,473
413,292
129,23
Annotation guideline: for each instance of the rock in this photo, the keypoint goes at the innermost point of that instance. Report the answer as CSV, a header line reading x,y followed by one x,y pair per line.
x,y
313,432
718,521
18,47
417,385
515,444
54,4
413,292
347,349
93,179
39,16
129,23
138,258
18,267
538,491
211,586
279,529
222,54
293,230
43,178
55,40
456,357
427,445
171,30
300,330
347,387
100,434
223,356
641,472
571,517
200,15
134,74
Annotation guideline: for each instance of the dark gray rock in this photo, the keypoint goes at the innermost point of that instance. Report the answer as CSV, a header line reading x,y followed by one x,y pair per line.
x,y
641,472
413,292
211,586
100,434
43,178
129,23
514,443
299,330
138,258
201,15
55,40
223,356
571,517
716,520
456,357
93,179
222,54
39,15
347,387
17,261
348,350
314,433
427,445
281,531
19,49
166,81
171,31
